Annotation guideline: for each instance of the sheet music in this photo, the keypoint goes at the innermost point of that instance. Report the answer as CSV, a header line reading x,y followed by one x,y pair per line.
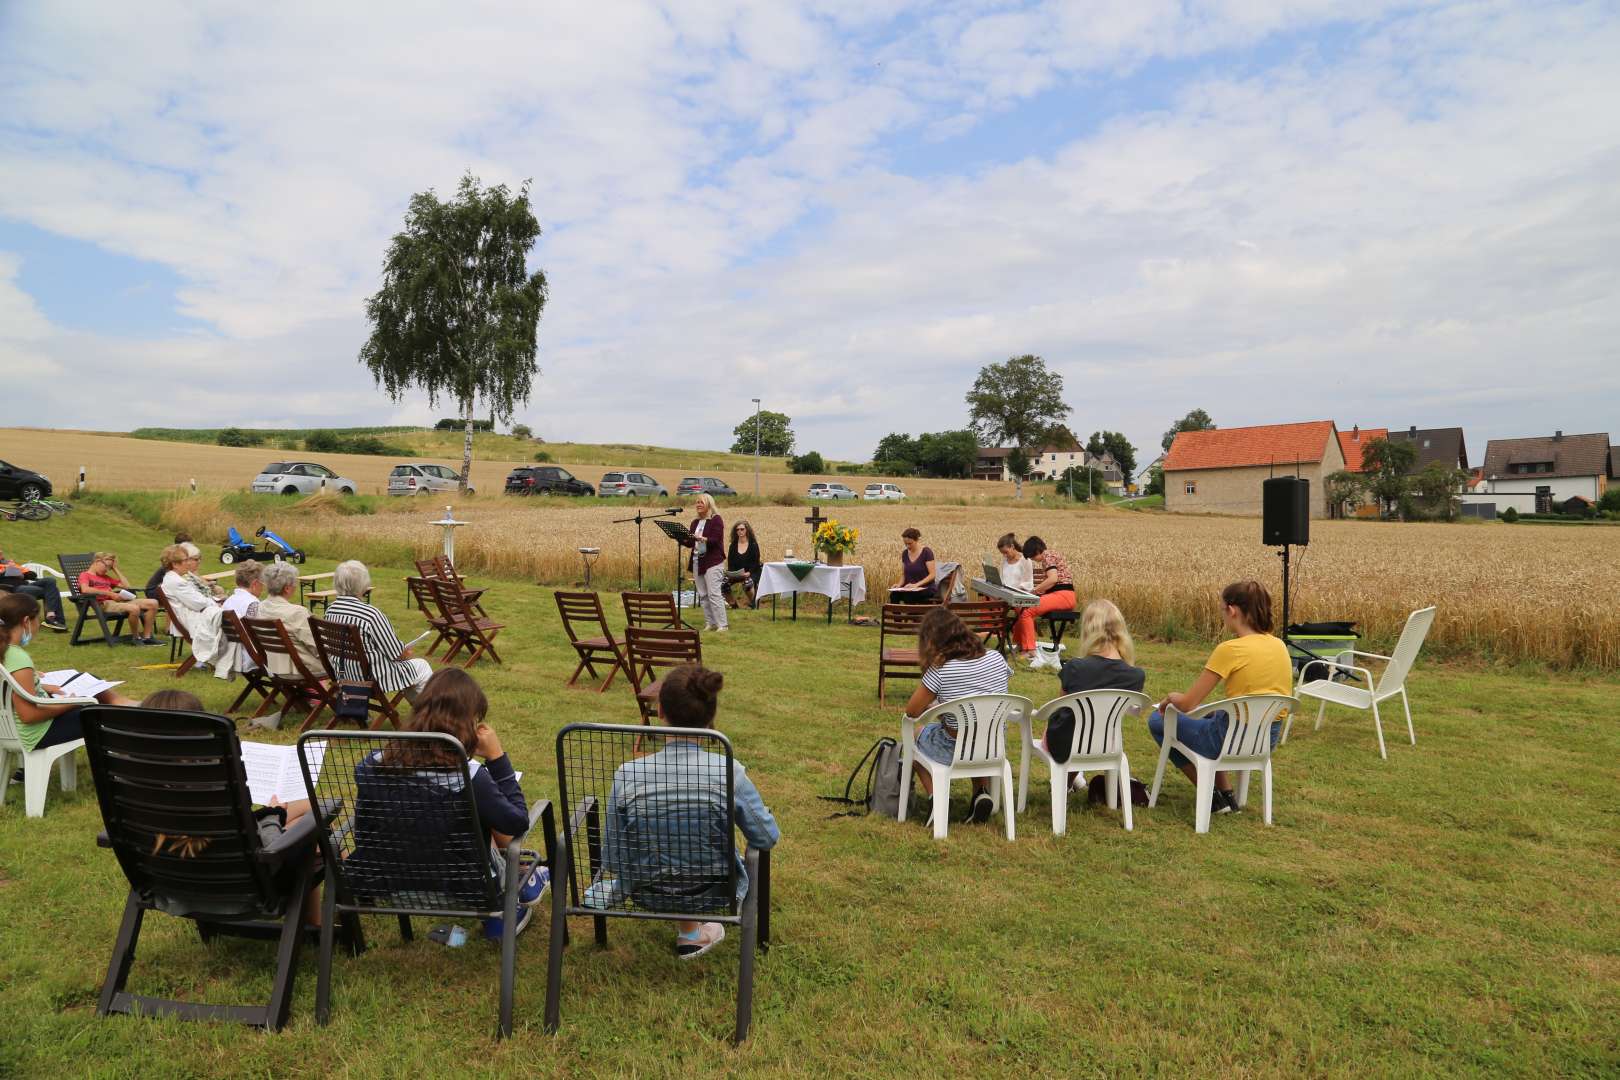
x,y
272,770
75,683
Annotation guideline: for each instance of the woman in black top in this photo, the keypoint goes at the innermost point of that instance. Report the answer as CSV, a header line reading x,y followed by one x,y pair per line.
x,y
1106,662
743,564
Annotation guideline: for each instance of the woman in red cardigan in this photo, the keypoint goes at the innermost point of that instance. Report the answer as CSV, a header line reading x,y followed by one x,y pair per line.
x,y
709,561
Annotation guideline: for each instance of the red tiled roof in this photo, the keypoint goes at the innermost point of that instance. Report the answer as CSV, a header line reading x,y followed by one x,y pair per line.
x,y
1226,448
1353,441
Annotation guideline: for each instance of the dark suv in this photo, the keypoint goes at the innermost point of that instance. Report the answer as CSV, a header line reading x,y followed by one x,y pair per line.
x,y
545,480
20,483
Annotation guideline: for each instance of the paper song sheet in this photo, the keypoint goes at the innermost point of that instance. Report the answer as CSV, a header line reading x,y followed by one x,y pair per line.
x,y
272,770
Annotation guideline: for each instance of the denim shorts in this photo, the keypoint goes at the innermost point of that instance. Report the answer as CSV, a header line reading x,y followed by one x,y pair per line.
x,y
1202,734
936,744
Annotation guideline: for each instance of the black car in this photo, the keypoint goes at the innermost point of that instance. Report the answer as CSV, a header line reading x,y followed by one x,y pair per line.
x,y
19,483
545,480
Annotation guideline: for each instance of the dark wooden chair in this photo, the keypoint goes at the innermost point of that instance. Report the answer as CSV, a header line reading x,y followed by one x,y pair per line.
x,y
987,618
179,637
899,623
600,771
178,816
650,610
421,592
440,568
647,651
255,676
464,627
400,835
302,687
111,623
586,625
343,655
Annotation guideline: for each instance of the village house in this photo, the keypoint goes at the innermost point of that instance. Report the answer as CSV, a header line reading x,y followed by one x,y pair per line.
x,y
1219,471
1540,474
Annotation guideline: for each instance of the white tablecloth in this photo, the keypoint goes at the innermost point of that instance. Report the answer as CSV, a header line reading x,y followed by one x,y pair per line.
x,y
833,582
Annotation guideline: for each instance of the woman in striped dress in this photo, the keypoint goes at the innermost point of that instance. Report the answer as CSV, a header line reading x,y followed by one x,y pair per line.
x,y
955,665
391,662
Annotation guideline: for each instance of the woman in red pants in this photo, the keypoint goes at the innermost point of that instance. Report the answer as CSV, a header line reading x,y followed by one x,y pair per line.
x,y
1054,584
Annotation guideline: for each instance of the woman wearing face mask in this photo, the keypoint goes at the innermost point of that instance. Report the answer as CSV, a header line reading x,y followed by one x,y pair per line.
x,y
37,725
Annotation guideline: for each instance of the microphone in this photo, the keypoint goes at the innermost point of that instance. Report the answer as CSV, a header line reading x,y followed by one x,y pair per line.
x,y
673,511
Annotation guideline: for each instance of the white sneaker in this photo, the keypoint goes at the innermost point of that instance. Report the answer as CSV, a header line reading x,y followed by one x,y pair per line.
x,y
708,935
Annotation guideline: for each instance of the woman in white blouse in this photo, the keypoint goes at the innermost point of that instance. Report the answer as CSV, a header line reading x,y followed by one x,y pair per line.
x,y
1017,572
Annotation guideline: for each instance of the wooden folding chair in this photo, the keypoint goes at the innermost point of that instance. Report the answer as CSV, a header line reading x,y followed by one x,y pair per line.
x,y
445,570
900,622
647,650
257,676
179,638
463,626
343,654
583,611
301,688
650,610
422,596
987,618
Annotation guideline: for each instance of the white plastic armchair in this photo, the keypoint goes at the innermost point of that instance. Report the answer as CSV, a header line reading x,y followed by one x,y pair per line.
x,y
981,751
1096,745
41,569
1246,749
1367,695
36,763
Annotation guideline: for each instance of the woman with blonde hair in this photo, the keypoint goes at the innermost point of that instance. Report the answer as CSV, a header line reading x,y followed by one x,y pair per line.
x,y
709,561
1106,661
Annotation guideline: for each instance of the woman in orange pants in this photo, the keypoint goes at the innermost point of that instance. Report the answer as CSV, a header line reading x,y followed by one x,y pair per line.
x,y
1054,584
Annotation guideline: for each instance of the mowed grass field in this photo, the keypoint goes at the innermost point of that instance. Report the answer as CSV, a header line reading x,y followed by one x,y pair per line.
x,y
118,463
1449,911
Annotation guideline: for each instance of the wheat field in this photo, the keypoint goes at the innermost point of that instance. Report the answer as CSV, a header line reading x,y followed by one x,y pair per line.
x,y
1540,594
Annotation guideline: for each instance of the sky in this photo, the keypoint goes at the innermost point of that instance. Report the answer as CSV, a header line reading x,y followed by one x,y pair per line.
x,y
1377,213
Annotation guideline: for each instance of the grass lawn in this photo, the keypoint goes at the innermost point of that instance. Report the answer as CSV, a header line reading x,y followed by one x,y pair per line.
x,y
1450,910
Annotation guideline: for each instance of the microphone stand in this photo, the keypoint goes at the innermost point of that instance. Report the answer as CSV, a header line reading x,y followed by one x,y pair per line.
x,y
637,521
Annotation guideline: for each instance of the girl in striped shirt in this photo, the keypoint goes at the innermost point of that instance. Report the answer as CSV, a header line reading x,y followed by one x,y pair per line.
x,y
955,665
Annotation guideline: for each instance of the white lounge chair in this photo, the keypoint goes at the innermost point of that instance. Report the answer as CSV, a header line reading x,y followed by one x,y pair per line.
x,y
1367,695
981,750
1096,746
1246,749
36,763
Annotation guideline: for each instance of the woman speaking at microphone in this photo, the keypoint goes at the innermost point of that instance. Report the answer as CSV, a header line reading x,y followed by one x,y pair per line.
x,y
709,561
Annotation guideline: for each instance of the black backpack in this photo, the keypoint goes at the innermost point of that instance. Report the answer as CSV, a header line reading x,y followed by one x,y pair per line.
x,y
881,783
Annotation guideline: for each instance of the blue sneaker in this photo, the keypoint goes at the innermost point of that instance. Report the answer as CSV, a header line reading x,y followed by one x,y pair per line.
x,y
493,927
535,884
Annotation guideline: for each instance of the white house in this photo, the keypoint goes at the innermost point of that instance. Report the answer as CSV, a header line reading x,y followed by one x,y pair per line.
x,y
1536,475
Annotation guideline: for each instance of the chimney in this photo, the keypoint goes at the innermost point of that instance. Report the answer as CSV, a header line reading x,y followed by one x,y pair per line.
x,y
1558,435
1355,433
1412,432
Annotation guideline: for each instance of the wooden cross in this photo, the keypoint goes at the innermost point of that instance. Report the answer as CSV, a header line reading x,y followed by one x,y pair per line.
x,y
814,521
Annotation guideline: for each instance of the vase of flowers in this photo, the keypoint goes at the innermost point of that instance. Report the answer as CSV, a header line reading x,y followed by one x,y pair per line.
x,y
835,539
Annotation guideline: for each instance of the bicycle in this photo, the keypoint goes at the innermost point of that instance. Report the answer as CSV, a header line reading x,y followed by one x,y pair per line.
x,y
52,506
26,511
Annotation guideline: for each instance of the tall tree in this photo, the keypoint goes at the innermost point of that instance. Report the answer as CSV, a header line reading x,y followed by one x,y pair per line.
x,y
1197,420
896,448
1438,490
458,310
948,454
1344,492
1017,402
1386,466
775,435
1112,442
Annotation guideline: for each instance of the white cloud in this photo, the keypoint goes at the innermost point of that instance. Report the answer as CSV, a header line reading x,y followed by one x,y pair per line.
x,y
1416,224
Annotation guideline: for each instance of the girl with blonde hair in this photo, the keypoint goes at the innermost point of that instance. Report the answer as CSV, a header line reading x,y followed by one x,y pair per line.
x,y
1106,661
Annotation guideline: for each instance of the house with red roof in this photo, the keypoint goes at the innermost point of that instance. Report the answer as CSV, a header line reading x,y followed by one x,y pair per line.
x,y
1353,441
1219,471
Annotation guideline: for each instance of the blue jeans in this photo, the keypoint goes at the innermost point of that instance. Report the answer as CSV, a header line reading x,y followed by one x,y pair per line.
x,y
1203,734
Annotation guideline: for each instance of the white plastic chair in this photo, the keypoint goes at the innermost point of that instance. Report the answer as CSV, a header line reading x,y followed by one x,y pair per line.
x,y
1392,683
1096,746
36,763
41,569
981,750
1246,749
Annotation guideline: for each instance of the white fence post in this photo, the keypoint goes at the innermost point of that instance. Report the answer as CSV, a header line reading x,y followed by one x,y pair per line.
x,y
81,477
194,485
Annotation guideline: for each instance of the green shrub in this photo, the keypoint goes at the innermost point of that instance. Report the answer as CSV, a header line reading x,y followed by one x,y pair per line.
x,y
542,456
237,437
809,463
450,423
522,431
1510,515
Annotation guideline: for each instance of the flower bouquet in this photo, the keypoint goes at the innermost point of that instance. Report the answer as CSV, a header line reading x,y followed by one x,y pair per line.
x,y
836,539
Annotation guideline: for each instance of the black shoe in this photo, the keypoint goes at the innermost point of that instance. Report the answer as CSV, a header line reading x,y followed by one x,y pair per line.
x,y
983,807
56,624
17,777
1221,802
1097,791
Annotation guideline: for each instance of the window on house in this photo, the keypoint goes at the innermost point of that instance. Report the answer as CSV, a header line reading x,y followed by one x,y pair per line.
x,y
1192,487
1426,444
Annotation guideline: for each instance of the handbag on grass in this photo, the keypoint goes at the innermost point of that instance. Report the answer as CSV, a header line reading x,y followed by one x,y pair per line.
x,y
352,701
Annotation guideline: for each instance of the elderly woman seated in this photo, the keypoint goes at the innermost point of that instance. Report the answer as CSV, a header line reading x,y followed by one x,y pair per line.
x,y
280,584
391,662
186,599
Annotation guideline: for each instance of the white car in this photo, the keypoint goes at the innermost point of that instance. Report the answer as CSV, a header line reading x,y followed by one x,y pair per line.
x,y
820,490
300,478
883,491
421,478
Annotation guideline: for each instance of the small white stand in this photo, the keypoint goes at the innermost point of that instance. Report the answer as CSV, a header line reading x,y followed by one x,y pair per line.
x,y
449,524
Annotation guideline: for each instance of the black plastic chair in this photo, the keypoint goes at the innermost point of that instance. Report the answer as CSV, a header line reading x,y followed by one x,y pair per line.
x,y
600,777
179,818
111,624
400,835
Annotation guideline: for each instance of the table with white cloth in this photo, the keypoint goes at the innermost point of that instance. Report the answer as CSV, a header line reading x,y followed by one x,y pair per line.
x,y
834,582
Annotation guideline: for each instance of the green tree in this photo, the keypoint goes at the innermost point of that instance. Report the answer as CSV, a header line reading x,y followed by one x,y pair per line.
x,y
947,454
237,437
1155,482
1018,402
1197,420
1062,438
1081,482
458,312
1437,490
775,435
1610,502
522,431
1345,491
809,463
897,447
1112,442
1386,466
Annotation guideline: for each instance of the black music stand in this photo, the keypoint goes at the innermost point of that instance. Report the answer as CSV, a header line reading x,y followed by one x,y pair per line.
x,y
683,539
638,520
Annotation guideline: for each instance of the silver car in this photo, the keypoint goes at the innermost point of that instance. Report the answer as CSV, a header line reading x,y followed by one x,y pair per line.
x,y
820,490
884,491
421,479
300,478
630,482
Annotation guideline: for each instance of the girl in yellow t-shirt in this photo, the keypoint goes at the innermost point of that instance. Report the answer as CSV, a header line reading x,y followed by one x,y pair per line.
x,y
1251,661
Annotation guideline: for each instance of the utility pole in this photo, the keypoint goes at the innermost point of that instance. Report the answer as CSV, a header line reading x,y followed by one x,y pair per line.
x,y
756,447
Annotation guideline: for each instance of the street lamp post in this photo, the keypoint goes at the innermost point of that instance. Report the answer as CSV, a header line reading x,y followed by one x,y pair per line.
x,y
756,446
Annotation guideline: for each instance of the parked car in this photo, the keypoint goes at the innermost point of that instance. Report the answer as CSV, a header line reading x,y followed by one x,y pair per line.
x,y
692,485
626,482
833,490
424,479
545,480
884,491
17,482
299,478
